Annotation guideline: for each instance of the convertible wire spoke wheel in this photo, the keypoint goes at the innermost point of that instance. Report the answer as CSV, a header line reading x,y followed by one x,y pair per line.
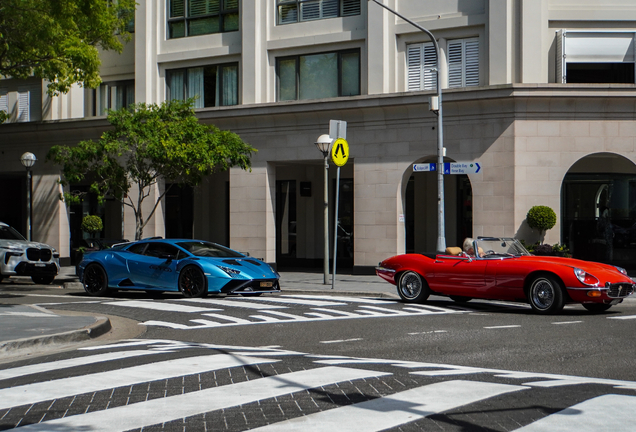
x,y
545,295
412,288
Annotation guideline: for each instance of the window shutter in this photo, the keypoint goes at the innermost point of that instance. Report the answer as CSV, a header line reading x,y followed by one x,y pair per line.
x,y
560,57
430,64
309,11
230,4
177,8
23,105
203,7
472,62
330,8
414,67
455,66
4,102
350,7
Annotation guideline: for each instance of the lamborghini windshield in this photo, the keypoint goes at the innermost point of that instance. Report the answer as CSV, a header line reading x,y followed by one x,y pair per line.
x,y
498,247
207,249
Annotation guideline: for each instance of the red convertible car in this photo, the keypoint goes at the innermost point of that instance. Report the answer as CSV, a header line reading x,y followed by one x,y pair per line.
x,y
504,270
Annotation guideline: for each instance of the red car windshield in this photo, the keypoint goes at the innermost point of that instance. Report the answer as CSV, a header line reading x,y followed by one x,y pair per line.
x,y
500,247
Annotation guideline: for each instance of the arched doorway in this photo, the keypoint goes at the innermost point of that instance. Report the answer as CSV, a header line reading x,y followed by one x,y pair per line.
x,y
599,209
420,209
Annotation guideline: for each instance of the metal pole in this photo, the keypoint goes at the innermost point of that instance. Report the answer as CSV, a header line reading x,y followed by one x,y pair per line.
x,y
326,220
335,230
30,206
441,235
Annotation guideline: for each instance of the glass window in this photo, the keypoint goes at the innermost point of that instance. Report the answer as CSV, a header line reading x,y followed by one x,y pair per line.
x,y
163,250
137,248
215,85
291,11
319,76
199,17
114,95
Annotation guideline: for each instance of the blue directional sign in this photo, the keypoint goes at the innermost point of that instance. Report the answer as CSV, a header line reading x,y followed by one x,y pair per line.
x,y
461,167
425,167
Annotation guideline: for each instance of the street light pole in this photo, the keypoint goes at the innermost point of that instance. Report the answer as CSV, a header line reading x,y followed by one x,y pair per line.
x,y
324,144
441,234
28,160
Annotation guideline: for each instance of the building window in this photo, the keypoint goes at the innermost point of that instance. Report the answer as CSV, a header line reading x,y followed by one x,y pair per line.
x,y
595,57
462,60
4,101
318,76
113,96
291,11
215,85
199,17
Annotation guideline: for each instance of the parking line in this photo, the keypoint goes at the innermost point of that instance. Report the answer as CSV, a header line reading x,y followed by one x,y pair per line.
x,y
502,327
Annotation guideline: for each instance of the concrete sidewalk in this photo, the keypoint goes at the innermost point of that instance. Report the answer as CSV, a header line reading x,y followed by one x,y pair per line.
x,y
27,329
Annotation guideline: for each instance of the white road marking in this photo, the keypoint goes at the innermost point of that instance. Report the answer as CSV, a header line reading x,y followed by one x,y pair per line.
x,y
567,322
394,410
237,303
337,312
69,363
159,306
228,318
341,341
386,310
429,332
158,411
604,413
342,298
298,301
623,317
503,327
30,314
55,389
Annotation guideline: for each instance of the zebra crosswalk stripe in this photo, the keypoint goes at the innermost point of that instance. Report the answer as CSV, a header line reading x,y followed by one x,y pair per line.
x,y
397,409
55,389
170,408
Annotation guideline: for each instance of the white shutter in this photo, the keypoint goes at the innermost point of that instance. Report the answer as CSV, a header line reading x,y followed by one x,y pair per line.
x,y
309,10
330,8
430,66
560,57
350,7
414,67
24,100
4,102
471,74
455,64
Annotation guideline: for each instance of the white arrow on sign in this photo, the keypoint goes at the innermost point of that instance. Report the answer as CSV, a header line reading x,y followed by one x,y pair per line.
x,y
425,167
461,167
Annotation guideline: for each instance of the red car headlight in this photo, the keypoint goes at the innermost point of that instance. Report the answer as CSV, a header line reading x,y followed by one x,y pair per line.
x,y
585,278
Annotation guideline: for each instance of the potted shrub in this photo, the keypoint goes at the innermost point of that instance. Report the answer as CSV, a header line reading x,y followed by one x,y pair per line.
x,y
542,218
91,224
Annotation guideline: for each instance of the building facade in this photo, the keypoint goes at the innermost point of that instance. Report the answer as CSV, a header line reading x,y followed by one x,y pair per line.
x,y
540,93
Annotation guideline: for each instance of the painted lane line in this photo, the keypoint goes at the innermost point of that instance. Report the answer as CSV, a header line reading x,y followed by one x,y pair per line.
x,y
158,411
318,315
265,318
298,301
337,312
55,389
434,308
397,409
30,314
228,318
69,363
603,413
567,322
289,316
237,303
158,306
623,317
341,298
429,332
386,310
341,341
503,327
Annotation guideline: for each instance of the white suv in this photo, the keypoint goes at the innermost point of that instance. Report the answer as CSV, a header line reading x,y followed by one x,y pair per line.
x,y
20,257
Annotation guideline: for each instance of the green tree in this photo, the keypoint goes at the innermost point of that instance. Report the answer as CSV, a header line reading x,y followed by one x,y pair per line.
x,y
147,143
92,224
58,40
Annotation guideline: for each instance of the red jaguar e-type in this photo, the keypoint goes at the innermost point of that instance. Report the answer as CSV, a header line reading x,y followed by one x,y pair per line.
x,y
504,270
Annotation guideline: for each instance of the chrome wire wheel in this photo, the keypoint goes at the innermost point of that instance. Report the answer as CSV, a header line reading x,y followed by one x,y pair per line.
x,y
412,288
192,282
95,280
545,295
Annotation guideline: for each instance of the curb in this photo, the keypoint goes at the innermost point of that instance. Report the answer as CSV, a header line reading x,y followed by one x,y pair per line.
x,y
100,327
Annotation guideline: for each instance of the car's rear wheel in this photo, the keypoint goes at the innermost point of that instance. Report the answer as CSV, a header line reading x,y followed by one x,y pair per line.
x,y
192,282
460,299
546,295
95,280
42,280
412,288
596,307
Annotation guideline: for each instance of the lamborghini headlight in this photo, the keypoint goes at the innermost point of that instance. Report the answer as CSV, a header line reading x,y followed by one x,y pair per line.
x,y
230,271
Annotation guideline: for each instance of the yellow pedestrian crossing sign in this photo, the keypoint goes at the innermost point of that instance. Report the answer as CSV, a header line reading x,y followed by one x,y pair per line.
x,y
340,152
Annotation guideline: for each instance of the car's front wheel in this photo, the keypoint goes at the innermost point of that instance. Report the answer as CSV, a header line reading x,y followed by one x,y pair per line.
x,y
95,280
192,282
412,288
596,307
42,280
546,295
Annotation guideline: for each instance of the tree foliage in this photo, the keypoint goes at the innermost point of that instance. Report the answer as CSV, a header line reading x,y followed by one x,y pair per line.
x,y
542,218
58,40
147,143
92,224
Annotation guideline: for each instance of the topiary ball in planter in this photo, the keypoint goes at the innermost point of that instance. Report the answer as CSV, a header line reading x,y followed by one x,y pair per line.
x,y
92,224
542,218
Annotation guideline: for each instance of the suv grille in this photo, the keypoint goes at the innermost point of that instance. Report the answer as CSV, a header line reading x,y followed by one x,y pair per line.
x,y
34,254
619,290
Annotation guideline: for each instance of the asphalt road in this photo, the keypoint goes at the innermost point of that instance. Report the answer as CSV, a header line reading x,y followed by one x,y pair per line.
x,y
328,362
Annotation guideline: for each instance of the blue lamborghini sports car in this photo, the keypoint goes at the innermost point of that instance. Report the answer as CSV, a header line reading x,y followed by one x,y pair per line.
x,y
193,267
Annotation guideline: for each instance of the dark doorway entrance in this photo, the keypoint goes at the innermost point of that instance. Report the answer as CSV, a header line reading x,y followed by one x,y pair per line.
x,y
286,224
179,211
13,199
